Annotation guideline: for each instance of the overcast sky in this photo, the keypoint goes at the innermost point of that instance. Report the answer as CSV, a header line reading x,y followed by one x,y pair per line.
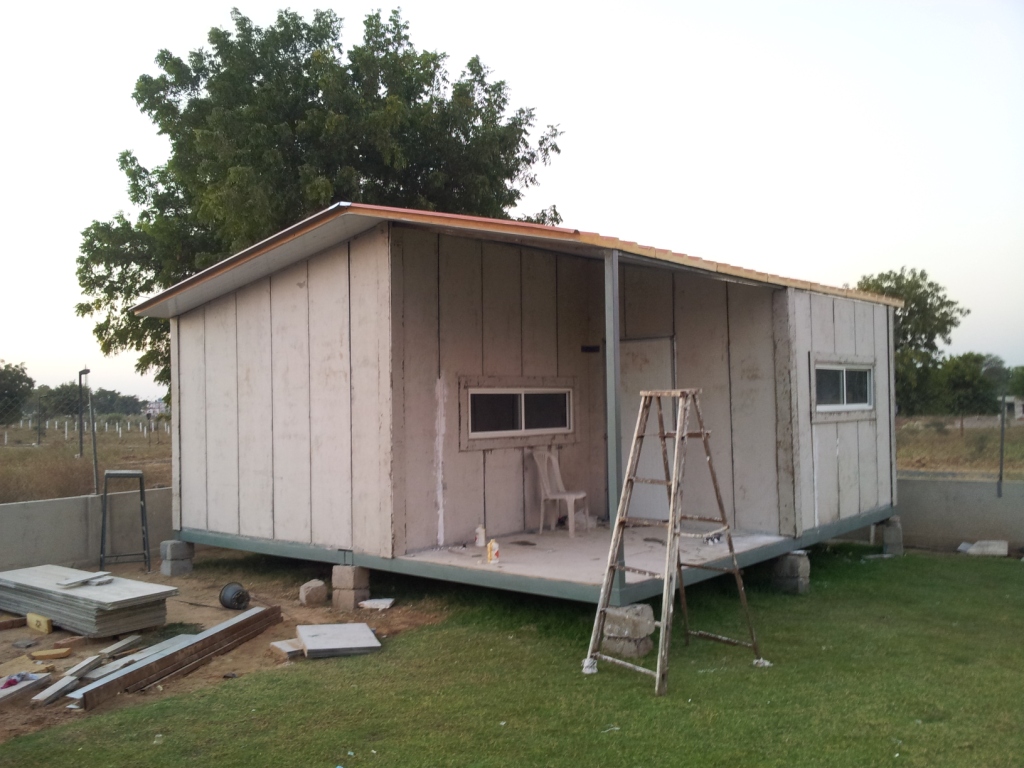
x,y
819,140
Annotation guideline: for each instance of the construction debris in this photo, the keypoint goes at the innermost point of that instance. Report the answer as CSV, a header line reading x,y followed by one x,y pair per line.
x,y
290,649
378,603
91,610
17,685
323,640
38,623
989,549
51,654
13,623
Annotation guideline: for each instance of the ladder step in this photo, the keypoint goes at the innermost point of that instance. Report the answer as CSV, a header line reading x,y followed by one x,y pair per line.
x,y
719,638
626,664
644,522
650,481
641,571
703,534
706,567
702,519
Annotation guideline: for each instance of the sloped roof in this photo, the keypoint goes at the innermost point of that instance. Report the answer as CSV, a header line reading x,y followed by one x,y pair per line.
x,y
343,221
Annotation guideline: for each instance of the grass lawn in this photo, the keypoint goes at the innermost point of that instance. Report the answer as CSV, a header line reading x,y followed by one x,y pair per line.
x,y
915,661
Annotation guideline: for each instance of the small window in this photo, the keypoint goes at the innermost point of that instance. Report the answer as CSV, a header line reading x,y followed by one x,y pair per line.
x,y
510,412
838,388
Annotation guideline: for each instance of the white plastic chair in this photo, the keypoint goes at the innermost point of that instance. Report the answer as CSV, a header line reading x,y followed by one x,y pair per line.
x,y
553,489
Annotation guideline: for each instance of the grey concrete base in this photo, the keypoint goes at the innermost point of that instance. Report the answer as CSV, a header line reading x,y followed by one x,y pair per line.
x,y
627,647
172,549
175,567
941,513
350,577
313,592
892,536
633,621
347,600
791,573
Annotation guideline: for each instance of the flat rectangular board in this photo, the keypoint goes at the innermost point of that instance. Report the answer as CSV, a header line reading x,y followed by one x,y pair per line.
x,y
324,640
460,482
221,416
845,329
290,649
884,456
823,327
803,464
503,490
42,580
415,253
502,310
371,395
255,412
192,417
867,464
289,333
647,302
787,455
826,473
540,314
175,430
330,419
849,469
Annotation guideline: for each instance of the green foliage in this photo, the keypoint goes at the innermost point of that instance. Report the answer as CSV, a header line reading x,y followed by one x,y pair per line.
x,y
271,124
112,401
965,387
61,400
1015,385
15,389
927,316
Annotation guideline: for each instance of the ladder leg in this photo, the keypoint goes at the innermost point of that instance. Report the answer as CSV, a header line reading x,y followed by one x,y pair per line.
x,y
682,604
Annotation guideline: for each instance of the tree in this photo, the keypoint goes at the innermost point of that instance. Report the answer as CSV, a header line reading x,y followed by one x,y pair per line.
x,y
270,125
927,315
61,400
112,401
15,389
965,387
1015,386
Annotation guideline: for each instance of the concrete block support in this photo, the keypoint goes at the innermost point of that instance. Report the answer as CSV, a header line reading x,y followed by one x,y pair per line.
x,y
628,630
627,647
172,549
350,577
175,567
892,536
313,592
347,600
792,573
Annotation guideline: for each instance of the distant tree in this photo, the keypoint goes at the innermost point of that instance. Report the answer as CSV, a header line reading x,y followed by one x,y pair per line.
x,y
61,400
965,387
1015,386
112,401
270,125
15,390
926,317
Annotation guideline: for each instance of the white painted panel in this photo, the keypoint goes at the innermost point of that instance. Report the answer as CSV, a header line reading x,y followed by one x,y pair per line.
x,y
502,310
330,423
540,343
592,410
864,323
846,339
372,495
702,351
823,328
461,346
752,369
826,470
221,416
418,252
883,405
787,454
867,465
647,302
804,481
289,319
255,411
192,391
503,491
648,364
849,457
175,429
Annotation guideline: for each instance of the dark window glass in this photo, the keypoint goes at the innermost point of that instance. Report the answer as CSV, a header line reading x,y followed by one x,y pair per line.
x,y
493,412
546,410
829,386
857,384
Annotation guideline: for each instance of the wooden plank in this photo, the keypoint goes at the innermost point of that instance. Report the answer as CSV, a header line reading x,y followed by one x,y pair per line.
x,y
330,420
646,302
39,623
192,418
14,623
7,695
221,416
175,429
121,645
787,437
50,654
419,333
540,314
167,661
752,377
849,469
371,394
702,360
255,409
460,487
289,334
502,310
826,468
845,327
86,665
803,464
59,689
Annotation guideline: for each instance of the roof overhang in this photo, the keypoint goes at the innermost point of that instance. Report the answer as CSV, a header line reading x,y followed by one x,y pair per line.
x,y
344,221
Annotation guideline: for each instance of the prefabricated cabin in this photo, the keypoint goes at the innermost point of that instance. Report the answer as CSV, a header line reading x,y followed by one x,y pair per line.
x,y
366,386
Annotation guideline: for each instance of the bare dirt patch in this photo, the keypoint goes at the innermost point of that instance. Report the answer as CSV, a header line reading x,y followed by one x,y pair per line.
x,y
198,603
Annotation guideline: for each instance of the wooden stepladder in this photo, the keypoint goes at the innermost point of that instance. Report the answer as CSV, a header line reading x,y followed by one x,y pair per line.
x,y
678,526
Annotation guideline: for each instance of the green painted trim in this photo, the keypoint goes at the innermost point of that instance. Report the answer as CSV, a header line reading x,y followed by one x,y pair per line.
x,y
566,590
266,546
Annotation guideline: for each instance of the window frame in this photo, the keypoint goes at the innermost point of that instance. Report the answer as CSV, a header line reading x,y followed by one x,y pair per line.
x,y
500,440
521,392
844,407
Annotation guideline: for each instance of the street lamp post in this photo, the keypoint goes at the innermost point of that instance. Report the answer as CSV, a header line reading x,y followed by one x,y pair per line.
x,y
81,426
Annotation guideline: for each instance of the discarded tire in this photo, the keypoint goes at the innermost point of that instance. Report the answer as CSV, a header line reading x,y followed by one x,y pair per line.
x,y
234,596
